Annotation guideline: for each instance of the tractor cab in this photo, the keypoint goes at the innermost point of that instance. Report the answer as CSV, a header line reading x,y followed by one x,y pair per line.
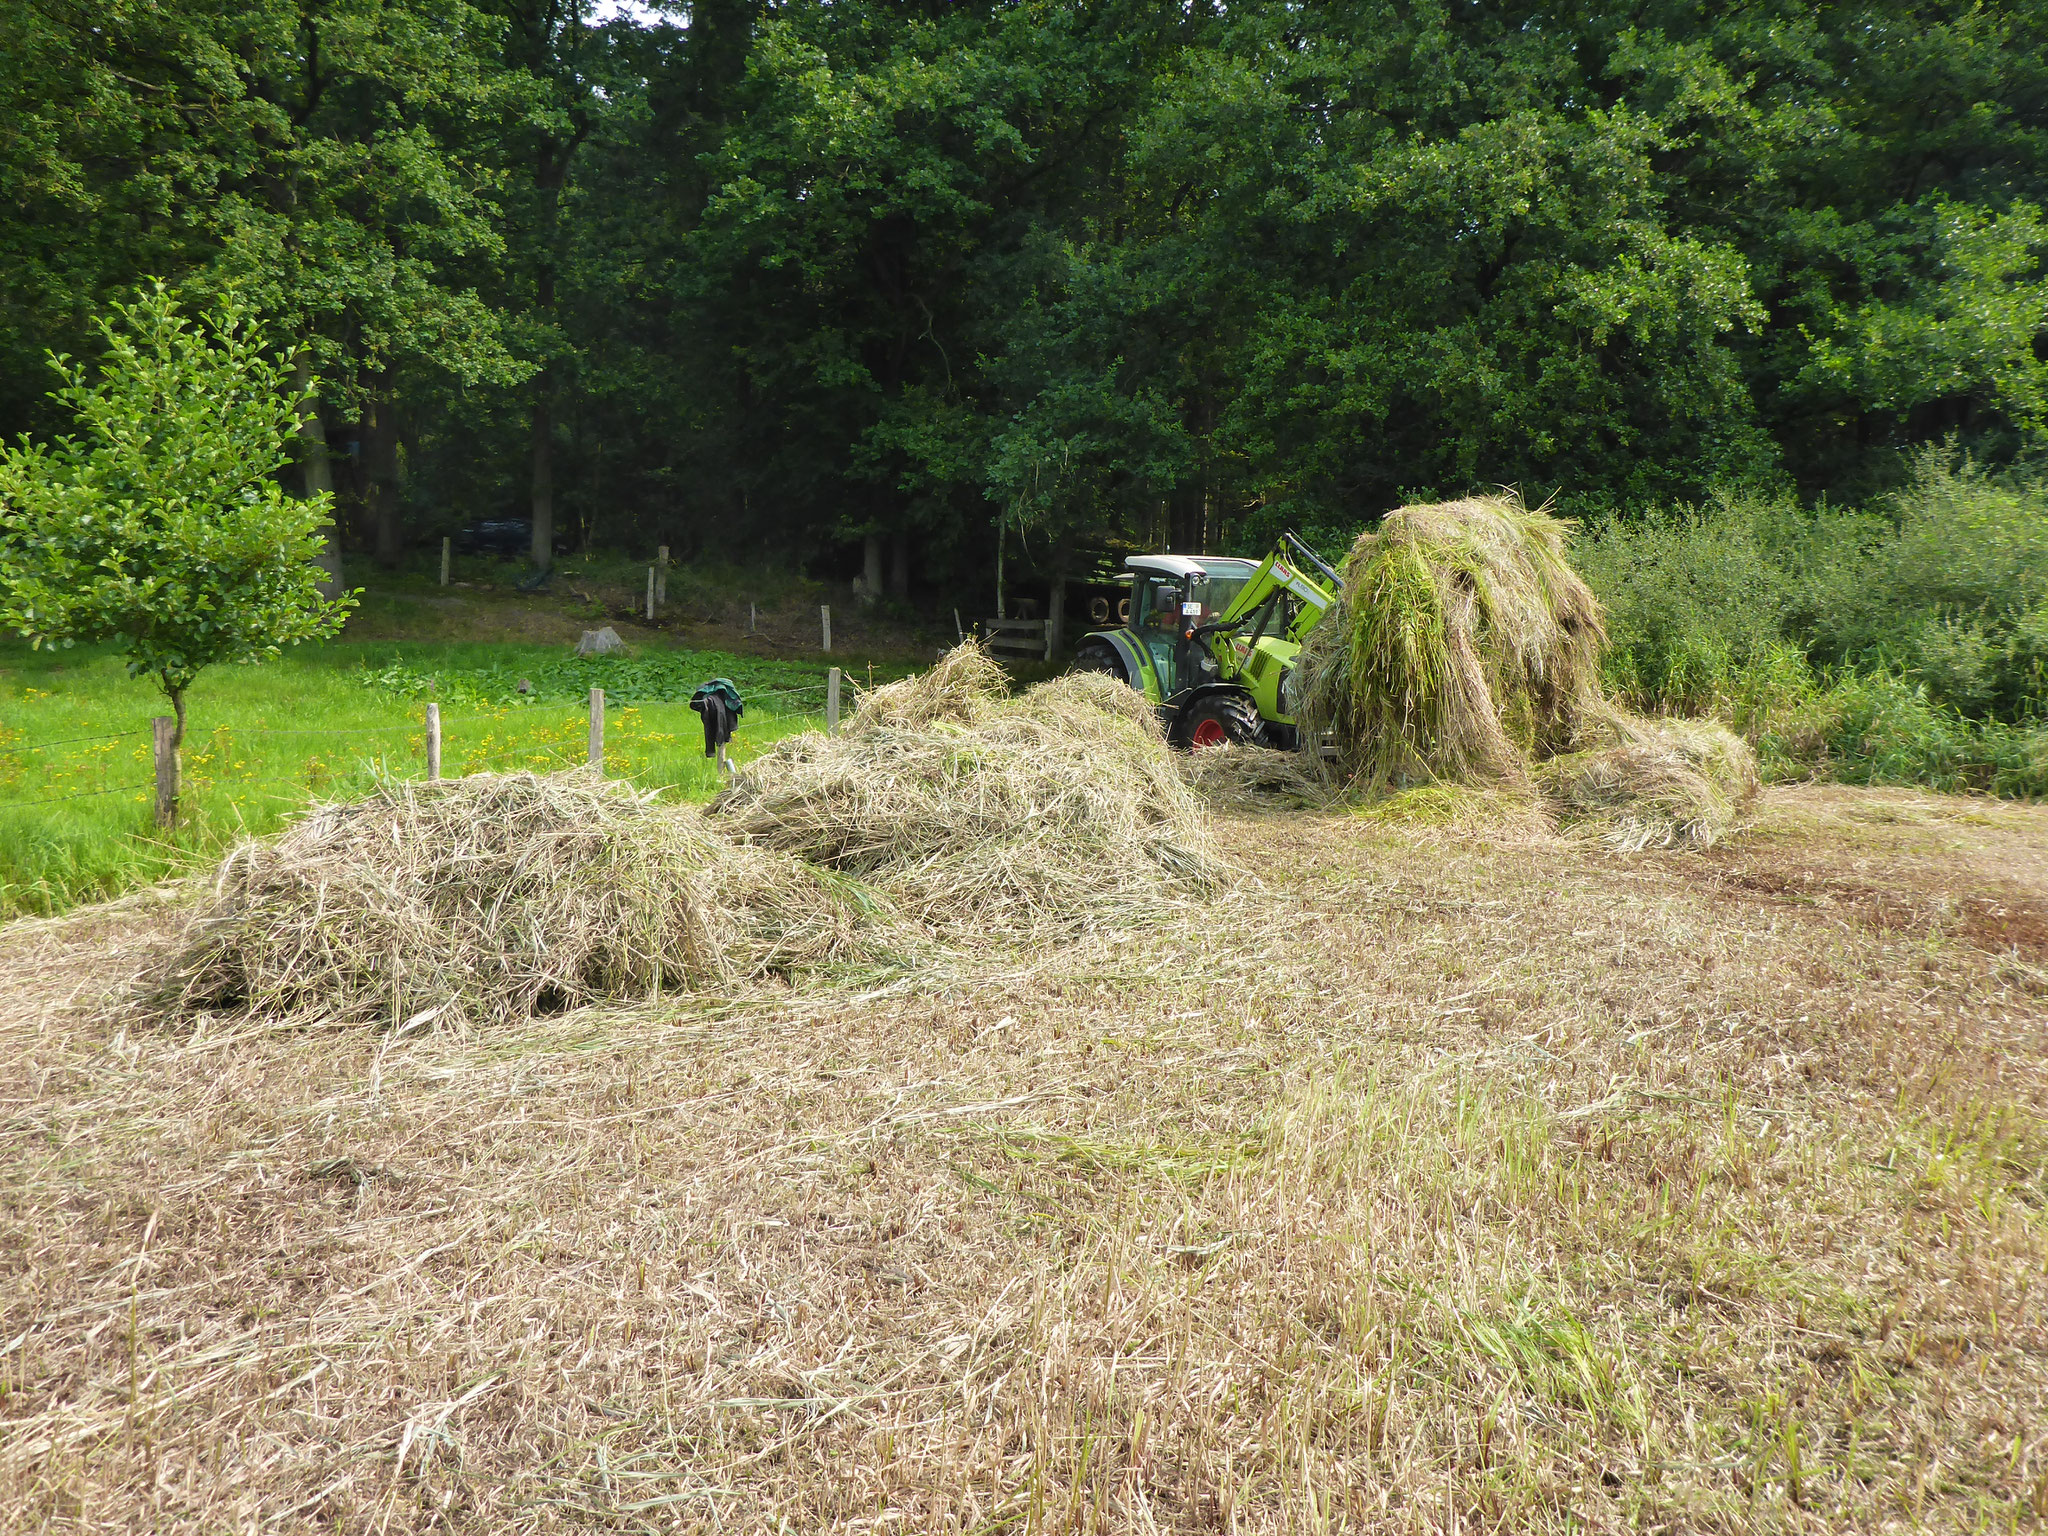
x,y
1172,595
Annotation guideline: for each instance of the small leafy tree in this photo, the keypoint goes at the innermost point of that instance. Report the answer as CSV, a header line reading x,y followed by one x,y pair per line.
x,y
161,525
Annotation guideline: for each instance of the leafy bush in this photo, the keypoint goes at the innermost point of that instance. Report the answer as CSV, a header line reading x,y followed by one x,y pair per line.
x,y
1696,603
1950,583
1908,644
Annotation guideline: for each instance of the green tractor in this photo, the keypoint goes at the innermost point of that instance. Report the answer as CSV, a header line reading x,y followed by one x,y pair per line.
x,y
1211,641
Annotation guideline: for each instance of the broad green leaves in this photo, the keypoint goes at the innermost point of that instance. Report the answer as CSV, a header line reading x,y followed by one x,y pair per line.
x,y
161,525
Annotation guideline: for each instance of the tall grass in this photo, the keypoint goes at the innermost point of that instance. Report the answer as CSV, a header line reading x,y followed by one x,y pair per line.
x,y
76,798
1902,643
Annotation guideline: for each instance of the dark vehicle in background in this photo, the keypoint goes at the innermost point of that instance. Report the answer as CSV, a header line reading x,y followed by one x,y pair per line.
x,y
509,538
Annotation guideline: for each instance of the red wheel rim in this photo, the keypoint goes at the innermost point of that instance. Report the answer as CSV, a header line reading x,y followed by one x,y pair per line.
x,y
1210,733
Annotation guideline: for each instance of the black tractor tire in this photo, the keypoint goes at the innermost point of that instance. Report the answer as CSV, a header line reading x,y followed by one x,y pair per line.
x,y
1098,656
1220,717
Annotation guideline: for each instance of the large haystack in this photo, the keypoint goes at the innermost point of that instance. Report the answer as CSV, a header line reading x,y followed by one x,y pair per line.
x,y
477,899
1462,643
1464,651
972,809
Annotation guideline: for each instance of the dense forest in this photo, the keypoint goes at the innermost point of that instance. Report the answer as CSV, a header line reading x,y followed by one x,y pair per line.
x,y
859,284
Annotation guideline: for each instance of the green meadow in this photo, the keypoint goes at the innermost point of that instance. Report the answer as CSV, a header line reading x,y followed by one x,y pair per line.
x,y
76,787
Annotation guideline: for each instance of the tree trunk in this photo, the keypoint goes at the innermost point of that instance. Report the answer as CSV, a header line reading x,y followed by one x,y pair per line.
x,y
899,567
316,474
177,698
871,568
543,473
380,474
1189,530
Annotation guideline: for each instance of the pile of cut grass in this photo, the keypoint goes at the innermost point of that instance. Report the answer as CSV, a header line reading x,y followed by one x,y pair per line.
x,y
965,683
1461,644
1463,649
1640,783
1651,783
478,900
1238,777
971,809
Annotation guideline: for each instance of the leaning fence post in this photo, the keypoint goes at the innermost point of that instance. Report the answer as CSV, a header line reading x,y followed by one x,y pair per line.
x,y
597,729
661,574
825,623
650,594
832,702
166,771
444,561
750,618
433,741
959,634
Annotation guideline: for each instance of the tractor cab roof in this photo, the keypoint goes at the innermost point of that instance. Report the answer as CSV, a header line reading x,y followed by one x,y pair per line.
x,y
1182,566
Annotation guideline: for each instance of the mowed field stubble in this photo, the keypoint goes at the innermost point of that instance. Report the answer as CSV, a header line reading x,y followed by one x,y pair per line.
x,y
1435,1180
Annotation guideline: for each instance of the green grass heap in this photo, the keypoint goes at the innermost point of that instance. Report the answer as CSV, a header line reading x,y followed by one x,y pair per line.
x,y
1464,649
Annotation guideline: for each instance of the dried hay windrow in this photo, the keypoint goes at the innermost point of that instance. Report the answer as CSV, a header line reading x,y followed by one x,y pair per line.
x,y
479,899
1493,813
1461,644
966,681
969,808
1234,776
1640,783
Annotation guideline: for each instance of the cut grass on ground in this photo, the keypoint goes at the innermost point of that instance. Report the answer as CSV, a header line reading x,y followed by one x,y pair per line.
x,y
1440,1183
76,796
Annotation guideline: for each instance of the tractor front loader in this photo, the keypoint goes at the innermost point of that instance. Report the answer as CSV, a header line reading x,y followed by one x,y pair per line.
x,y
1212,640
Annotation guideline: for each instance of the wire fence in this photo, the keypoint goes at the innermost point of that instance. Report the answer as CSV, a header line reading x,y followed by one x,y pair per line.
x,y
70,741
818,695
83,794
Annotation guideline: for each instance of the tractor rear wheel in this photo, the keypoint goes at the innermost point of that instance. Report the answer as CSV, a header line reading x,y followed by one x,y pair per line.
x,y
1098,656
1221,718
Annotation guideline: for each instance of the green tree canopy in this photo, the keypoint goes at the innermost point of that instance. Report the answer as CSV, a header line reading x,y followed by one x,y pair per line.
x,y
162,525
796,277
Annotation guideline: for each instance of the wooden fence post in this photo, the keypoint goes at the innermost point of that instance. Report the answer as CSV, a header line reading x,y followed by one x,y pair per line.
x,y
597,729
444,560
661,576
832,702
650,594
166,771
433,741
750,618
825,623
959,634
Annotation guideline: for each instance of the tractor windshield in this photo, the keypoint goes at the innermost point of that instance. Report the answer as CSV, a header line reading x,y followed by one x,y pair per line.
x,y
1218,585
1216,594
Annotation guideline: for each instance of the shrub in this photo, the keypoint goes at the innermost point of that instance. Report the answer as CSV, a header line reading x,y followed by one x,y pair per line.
x,y
1948,583
1908,644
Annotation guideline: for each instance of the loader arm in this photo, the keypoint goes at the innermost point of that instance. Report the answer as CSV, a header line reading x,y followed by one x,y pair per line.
x,y
1277,573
